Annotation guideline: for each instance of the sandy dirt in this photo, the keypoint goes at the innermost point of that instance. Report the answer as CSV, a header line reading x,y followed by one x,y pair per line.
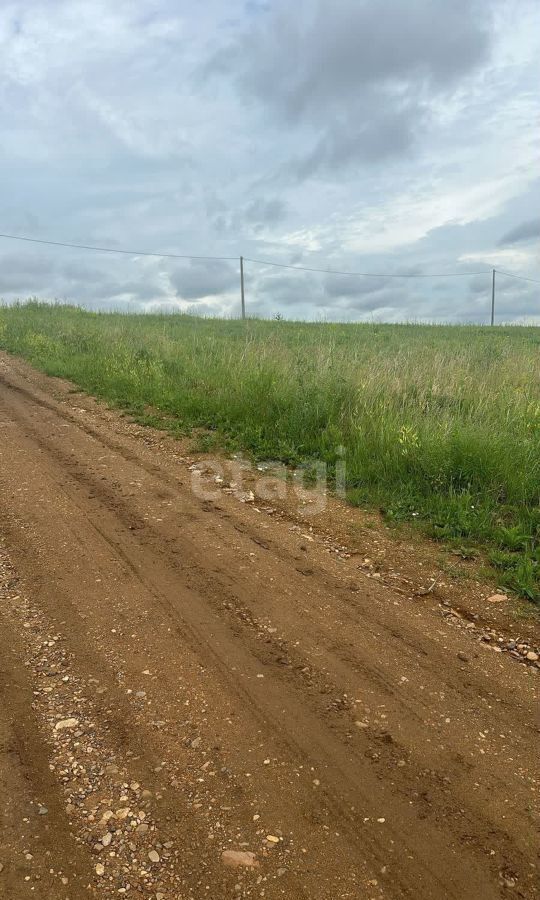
x,y
182,676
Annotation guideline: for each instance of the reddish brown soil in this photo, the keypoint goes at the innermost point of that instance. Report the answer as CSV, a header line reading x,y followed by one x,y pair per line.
x,y
238,672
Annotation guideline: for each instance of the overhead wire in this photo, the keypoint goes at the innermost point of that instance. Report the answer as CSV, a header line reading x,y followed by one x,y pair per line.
x,y
263,262
16,237
513,275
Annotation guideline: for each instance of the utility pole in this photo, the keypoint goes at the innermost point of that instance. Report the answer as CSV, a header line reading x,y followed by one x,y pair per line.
x,y
493,297
242,295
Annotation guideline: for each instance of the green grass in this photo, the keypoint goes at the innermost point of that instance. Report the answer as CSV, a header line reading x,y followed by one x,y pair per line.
x,y
441,425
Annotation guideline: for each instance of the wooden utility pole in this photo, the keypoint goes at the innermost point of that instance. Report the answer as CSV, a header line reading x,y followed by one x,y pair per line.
x,y
493,297
242,295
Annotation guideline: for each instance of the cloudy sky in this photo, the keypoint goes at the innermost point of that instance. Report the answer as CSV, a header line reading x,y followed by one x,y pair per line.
x,y
379,136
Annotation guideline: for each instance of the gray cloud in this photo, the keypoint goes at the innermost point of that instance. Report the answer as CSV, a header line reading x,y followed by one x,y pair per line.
x,y
203,278
372,136
264,211
348,286
355,135
257,215
360,74
478,284
78,280
25,273
527,231
305,58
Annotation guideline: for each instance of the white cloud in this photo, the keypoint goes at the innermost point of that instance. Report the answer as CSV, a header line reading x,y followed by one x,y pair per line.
x,y
517,258
117,131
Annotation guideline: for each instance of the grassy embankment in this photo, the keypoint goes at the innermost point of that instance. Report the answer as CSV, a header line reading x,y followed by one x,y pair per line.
x,y
441,425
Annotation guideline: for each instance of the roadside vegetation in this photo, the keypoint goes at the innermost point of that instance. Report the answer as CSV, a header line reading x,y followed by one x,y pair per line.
x,y
440,425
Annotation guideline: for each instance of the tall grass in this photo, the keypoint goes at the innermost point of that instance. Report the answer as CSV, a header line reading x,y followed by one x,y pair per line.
x,y
440,424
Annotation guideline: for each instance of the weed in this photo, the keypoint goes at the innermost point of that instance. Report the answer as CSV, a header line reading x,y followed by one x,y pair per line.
x,y
440,425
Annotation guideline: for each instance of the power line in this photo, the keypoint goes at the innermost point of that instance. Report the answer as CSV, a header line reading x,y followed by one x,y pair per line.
x,y
16,237
513,275
264,262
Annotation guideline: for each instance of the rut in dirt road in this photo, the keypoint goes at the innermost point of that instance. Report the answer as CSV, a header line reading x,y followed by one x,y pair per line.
x,y
232,691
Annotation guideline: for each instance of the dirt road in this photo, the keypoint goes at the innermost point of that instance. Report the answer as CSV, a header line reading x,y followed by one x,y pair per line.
x,y
182,677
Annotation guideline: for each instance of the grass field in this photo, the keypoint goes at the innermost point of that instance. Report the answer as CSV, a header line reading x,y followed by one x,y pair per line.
x,y
441,425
